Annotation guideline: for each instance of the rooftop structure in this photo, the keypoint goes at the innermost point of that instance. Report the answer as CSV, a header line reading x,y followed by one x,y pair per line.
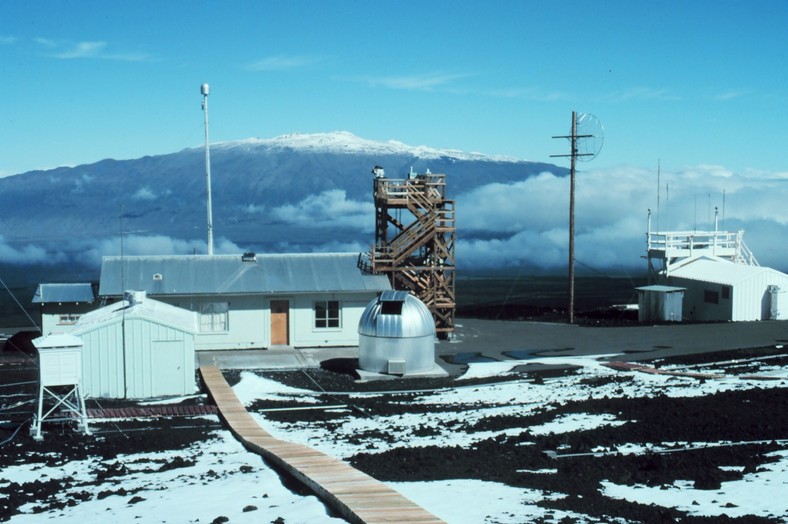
x,y
668,250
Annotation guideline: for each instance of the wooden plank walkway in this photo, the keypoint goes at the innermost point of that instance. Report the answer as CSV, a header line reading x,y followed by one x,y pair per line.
x,y
355,495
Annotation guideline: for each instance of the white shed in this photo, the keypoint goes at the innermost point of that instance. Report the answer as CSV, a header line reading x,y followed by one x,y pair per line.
x,y
660,303
720,290
138,348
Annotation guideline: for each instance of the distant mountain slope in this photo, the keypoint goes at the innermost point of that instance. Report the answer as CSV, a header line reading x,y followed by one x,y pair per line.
x,y
261,191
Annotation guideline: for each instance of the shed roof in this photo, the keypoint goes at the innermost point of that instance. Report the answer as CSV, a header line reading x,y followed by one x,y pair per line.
x,y
63,293
237,274
56,341
661,289
146,308
719,271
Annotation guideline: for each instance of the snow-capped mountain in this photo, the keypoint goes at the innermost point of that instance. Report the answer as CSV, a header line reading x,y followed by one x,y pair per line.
x,y
343,142
292,192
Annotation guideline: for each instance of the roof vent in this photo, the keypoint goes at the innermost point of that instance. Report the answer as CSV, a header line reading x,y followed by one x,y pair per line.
x,y
157,276
249,257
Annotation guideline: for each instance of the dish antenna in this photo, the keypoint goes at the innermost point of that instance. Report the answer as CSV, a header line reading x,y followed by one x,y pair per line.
x,y
585,144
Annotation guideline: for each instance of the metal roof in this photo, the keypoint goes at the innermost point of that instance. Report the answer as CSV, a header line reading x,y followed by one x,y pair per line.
x,y
718,271
146,308
60,293
237,274
660,289
57,341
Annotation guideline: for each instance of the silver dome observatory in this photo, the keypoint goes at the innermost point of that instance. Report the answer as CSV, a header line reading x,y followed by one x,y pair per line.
x,y
396,335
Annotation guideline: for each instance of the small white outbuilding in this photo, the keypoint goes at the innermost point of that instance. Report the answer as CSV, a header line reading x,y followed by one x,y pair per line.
x,y
660,303
138,348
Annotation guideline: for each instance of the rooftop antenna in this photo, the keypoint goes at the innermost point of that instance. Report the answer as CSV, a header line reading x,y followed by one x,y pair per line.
x,y
204,89
586,142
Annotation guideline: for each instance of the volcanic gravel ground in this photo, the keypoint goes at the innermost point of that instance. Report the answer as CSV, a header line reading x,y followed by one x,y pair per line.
x,y
63,444
518,457
515,456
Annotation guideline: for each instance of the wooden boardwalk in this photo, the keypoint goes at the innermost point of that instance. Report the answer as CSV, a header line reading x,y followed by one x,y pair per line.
x,y
355,495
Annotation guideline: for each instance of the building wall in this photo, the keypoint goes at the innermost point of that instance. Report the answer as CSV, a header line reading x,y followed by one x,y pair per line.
x,y
696,307
248,320
61,318
306,334
244,327
102,362
747,300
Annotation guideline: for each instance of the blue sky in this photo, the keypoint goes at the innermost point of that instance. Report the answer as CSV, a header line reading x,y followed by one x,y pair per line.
x,y
690,83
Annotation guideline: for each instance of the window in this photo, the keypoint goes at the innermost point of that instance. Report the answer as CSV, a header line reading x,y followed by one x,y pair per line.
x,y
214,317
726,292
68,319
327,314
711,297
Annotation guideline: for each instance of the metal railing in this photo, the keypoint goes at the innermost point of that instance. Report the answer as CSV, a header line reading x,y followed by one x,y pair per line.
x,y
687,243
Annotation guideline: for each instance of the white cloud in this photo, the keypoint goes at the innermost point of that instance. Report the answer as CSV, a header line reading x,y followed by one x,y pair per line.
x,y
144,193
529,93
424,82
82,50
730,95
27,254
282,62
87,49
329,209
640,93
136,245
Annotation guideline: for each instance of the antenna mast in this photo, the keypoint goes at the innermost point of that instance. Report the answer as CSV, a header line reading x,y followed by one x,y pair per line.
x,y
204,89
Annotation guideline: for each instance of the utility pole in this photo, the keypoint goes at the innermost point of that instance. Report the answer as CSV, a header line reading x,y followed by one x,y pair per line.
x,y
573,155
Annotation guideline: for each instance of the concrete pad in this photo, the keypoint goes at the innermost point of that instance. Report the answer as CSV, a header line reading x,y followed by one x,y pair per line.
x,y
436,372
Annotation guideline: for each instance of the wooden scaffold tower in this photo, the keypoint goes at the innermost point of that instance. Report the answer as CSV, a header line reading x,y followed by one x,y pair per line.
x,y
414,241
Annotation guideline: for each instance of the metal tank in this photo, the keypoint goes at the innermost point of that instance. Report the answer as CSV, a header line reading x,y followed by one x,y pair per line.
x,y
396,335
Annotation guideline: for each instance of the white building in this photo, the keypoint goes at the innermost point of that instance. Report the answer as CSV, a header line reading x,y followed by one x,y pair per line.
x,y
721,290
721,278
137,348
255,301
62,305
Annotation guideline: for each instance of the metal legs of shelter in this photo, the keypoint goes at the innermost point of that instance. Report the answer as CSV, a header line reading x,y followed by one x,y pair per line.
x,y
69,398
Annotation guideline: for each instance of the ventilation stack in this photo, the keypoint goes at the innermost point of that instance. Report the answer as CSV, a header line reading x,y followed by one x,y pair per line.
x,y
414,241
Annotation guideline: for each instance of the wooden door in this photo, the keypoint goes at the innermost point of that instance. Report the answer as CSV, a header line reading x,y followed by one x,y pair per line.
x,y
280,322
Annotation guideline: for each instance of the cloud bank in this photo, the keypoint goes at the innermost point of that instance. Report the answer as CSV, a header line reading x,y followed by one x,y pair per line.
x,y
527,223
522,224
